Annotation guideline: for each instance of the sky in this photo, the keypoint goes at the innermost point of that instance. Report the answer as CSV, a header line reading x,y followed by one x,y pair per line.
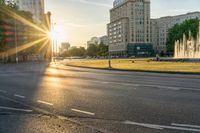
x,y
79,20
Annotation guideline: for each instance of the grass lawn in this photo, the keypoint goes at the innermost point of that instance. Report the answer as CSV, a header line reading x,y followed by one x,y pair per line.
x,y
140,65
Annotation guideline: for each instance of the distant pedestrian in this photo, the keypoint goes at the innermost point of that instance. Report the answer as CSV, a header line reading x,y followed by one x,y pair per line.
x,y
157,57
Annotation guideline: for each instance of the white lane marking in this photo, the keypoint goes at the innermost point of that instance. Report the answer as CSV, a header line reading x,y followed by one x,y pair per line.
x,y
2,91
138,85
43,102
143,125
84,112
172,88
135,85
19,96
129,84
148,85
161,127
16,109
163,87
181,128
104,82
191,89
185,125
168,87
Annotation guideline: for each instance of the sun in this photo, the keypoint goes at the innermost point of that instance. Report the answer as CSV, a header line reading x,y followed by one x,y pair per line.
x,y
57,34
51,35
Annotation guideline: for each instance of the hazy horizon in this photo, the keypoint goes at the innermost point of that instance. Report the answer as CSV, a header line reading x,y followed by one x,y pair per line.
x,y
79,20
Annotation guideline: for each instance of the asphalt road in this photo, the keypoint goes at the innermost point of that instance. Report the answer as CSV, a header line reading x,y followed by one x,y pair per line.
x,y
36,97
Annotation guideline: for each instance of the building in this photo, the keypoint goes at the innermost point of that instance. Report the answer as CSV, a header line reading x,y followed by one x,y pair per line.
x,y
188,47
36,7
131,31
14,33
129,28
104,40
161,26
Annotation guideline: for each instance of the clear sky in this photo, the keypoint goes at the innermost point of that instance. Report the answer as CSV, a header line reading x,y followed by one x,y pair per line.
x,y
79,20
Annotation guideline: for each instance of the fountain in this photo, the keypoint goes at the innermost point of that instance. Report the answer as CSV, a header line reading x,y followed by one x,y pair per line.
x,y
188,48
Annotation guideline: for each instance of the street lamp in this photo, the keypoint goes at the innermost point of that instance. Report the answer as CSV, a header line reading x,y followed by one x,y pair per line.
x,y
53,38
109,60
16,43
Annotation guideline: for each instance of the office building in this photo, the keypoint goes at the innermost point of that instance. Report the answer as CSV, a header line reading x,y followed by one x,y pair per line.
x,y
160,28
36,7
129,28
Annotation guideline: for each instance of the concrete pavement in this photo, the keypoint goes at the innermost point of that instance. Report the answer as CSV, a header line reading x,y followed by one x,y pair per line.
x,y
98,100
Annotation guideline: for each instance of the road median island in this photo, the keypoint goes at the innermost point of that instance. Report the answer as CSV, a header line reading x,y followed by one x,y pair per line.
x,y
144,65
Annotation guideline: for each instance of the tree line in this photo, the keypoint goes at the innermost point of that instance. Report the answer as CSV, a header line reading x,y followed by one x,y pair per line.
x,y
93,50
177,31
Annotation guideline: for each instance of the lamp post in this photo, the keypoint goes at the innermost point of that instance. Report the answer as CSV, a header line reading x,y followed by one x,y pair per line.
x,y
53,46
16,43
56,43
109,60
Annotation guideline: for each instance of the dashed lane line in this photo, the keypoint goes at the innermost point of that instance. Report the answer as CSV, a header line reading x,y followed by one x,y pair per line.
x,y
19,96
162,127
16,109
44,102
185,125
2,91
143,125
58,116
84,112
147,85
164,87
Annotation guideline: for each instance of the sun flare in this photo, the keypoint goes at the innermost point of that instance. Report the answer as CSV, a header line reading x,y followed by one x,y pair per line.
x,y
51,35
57,34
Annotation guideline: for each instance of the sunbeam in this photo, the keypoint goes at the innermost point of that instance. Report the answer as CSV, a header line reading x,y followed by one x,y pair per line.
x,y
45,44
21,19
49,51
48,23
22,47
38,34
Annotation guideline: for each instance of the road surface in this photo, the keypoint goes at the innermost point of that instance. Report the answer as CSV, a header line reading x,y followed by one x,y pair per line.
x,y
37,97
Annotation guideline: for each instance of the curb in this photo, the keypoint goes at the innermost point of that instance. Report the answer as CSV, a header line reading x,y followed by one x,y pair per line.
x,y
115,69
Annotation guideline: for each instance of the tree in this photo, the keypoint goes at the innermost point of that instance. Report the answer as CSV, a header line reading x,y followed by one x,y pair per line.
x,y
74,51
102,50
92,50
177,31
12,5
8,4
82,51
2,2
